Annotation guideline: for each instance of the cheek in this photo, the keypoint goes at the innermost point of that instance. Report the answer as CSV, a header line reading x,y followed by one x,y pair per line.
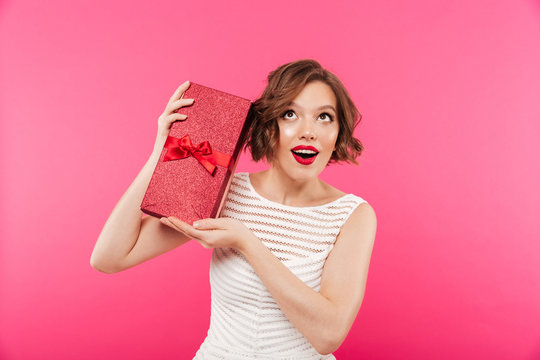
x,y
331,137
286,132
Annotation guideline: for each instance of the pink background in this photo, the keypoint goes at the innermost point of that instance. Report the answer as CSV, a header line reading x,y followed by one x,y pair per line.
x,y
450,93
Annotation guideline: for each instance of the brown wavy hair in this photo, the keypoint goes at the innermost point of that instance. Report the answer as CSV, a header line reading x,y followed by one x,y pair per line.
x,y
284,85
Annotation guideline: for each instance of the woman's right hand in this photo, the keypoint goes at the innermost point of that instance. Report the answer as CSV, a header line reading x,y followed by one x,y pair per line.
x,y
171,115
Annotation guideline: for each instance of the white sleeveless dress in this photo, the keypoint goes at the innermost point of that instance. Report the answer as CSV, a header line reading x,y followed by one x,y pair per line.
x,y
245,321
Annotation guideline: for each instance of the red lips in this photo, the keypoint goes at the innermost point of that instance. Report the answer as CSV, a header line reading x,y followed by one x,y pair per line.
x,y
305,147
304,154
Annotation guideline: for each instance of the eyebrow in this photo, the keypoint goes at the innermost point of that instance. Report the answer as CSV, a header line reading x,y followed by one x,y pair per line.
x,y
319,108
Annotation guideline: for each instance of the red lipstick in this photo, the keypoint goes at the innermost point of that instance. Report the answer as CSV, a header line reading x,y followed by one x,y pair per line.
x,y
304,154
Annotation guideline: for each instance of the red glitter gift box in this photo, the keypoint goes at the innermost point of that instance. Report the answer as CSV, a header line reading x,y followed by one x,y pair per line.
x,y
193,174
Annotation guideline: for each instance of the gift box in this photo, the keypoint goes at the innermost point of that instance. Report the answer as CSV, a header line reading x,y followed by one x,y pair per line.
x,y
193,173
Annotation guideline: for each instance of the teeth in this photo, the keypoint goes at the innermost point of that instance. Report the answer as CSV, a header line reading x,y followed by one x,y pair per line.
x,y
305,152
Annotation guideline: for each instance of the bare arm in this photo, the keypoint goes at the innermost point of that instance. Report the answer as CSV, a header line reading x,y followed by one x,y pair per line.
x,y
324,317
128,239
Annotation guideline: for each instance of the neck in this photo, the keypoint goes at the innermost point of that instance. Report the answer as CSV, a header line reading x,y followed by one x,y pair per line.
x,y
282,188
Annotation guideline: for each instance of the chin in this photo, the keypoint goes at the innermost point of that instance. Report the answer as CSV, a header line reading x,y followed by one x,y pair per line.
x,y
304,173
298,172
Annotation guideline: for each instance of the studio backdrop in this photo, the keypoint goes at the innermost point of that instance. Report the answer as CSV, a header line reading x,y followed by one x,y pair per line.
x,y
449,93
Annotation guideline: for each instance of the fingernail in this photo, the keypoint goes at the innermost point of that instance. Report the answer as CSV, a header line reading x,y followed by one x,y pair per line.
x,y
196,224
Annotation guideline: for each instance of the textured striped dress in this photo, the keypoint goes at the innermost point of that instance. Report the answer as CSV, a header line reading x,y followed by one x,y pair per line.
x,y
246,322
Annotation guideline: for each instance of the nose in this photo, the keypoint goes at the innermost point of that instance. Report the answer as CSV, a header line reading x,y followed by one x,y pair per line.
x,y
307,131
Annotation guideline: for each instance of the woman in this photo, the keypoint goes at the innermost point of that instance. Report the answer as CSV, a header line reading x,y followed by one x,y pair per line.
x,y
291,253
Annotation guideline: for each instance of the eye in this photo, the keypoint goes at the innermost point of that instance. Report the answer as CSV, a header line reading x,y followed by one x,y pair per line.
x,y
289,114
326,117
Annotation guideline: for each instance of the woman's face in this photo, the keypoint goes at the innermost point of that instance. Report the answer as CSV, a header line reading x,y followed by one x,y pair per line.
x,y
308,131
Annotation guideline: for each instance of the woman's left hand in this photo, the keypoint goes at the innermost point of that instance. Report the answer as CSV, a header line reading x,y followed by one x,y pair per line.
x,y
213,233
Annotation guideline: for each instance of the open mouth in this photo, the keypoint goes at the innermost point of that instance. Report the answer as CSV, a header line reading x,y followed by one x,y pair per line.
x,y
305,155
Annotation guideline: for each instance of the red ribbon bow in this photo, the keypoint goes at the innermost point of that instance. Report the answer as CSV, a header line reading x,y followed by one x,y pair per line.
x,y
183,148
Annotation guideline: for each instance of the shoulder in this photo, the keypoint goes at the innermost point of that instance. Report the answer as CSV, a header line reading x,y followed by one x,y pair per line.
x,y
331,193
364,210
240,177
246,176
337,194
362,218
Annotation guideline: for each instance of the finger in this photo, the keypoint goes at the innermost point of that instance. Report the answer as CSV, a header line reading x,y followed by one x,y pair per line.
x,y
166,222
186,228
180,90
169,119
175,105
203,243
169,223
210,224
